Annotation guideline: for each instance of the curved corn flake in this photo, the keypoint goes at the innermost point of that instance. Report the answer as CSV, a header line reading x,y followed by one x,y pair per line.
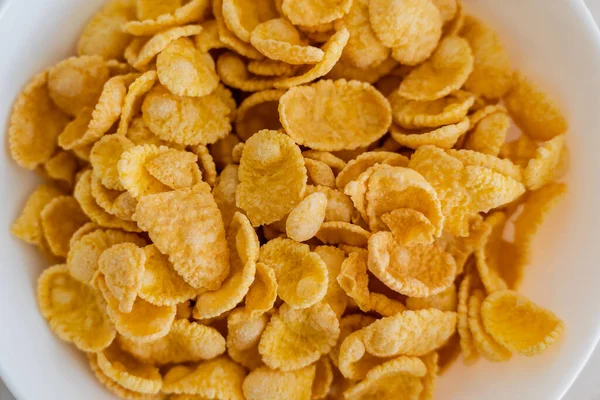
x,y
257,112
538,205
145,323
114,387
279,40
83,194
334,162
348,324
84,253
192,11
397,187
223,93
338,232
360,164
487,258
186,342
444,137
518,324
243,334
447,175
545,166
76,83
75,312
128,372
353,360
28,225
272,177
263,383
123,268
208,39
447,8
385,306
148,9
220,378
103,34
296,338
319,173
233,72
88,227
304,221
221,150
186,71
414,333
185,120
414,114
224,193
335,296
134,176
492,72
229,39
62,167
429,380
363,50
206,164
327,131
402,375
104,158
533,110
243,253
160,41
60,219
409,226
186,225
333,50
445,301
344,70
502,166
339,206
175,169
485,344
444,72
489,134
313,12
35,124
133,100
489,189
236,152
301,274
119,204
468,350
262,293
353,279
132,51
243,16
408,270
268,67
161,284
75,130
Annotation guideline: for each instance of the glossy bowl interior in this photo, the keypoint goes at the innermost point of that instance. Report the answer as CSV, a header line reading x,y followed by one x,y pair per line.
x,y
556,42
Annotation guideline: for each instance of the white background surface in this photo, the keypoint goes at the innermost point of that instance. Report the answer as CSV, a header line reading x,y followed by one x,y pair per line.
x,y
585,388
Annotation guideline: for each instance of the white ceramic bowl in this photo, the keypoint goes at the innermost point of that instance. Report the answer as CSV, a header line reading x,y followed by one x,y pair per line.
x,y
555,41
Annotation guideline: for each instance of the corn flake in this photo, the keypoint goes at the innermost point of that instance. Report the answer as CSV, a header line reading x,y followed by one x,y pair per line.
x,y
364,161
192,11
268,67
160,41
445,301
224,193
128,372
62,167
262,293
257,112
60,219
35,124
295,338
133,174
519,324
468,350
186,225
229,39
186,71
444,72
335,296
354,362
340,130
185,120
221,150
306,218
104,158
489,134
272,177
319,173
175,169
338,232
353,279
243,334
28,226
301,274
75,311
311,12
76,83
547,163
186,342
409,226
264,383
484,343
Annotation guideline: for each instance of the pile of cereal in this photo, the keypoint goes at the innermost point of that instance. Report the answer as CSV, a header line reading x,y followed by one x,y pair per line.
x,y
287,199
